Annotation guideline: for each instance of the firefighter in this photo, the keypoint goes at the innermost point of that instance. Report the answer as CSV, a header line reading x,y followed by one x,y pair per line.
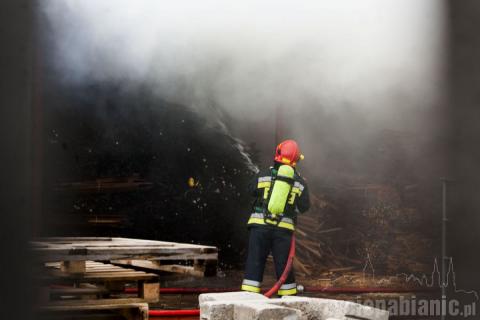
x,y
280,193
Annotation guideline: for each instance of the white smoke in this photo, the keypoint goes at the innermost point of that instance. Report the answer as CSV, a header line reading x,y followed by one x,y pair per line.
x,y
247,54
382,58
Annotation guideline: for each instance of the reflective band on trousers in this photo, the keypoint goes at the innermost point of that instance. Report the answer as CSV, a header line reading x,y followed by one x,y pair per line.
x,y
288,289
288,292
288,286
251,286
257,218
251,283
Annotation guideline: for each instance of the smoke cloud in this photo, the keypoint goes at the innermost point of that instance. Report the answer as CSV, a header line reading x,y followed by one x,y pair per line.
x,y
338,68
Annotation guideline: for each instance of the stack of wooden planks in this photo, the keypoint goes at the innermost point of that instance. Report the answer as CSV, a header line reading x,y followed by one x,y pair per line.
x,y
377,224
316,252
127,251
76,275
69,288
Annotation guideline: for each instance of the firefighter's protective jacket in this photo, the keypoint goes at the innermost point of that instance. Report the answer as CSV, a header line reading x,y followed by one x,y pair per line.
x,y
298,200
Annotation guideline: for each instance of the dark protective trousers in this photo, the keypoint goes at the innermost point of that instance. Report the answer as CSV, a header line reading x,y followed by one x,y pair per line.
x,y
263,241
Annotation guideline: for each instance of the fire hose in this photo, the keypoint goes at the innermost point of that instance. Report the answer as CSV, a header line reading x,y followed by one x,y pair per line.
x,y
174,313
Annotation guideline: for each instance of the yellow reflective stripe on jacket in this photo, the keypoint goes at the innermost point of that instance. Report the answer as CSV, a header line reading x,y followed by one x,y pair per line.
x,y
286,225
296,191
270,221
257,218
256,221
265,193
291,200
265,184
246,287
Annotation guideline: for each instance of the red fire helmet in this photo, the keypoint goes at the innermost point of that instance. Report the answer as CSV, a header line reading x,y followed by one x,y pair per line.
x,y
288,153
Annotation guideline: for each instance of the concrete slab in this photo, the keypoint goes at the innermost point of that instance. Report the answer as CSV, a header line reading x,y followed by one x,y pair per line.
x,y
250,306
246,310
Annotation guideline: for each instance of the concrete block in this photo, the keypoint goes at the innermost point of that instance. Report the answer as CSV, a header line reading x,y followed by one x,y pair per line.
x,y
216,306
251,306
246,310
264,311
216,310
230,296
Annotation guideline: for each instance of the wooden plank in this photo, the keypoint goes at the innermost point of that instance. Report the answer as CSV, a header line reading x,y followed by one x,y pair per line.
x,y
95,267
131,276
142,248
175,268
93,303
73,266
126,255
149,291
85,241
147,264
80,249
98,269
96,272
156,265
56,254
122,273
64,239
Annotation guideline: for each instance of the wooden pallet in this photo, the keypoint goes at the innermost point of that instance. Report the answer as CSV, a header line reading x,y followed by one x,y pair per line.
x,y
197,260
86,282
105,249
98,280
94,291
